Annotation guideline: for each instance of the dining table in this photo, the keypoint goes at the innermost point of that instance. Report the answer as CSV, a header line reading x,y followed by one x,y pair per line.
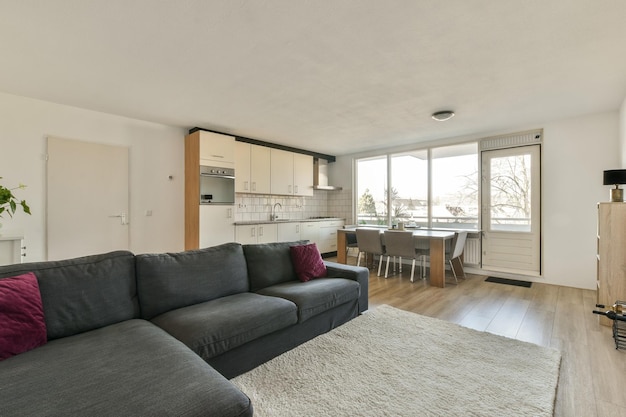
x,y
437,250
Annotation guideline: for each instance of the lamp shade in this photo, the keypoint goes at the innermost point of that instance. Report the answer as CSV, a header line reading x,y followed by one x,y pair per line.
x,y
615,176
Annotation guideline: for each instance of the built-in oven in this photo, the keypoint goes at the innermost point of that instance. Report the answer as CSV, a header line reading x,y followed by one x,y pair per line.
x,y
217,185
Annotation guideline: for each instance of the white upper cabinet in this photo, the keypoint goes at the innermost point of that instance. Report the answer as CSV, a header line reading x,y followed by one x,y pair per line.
x,y
292,173
282,172
302,174
242,167
217,150
260,169
252,168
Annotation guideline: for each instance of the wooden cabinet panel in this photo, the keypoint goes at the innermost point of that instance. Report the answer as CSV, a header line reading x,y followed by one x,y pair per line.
x,y
610,258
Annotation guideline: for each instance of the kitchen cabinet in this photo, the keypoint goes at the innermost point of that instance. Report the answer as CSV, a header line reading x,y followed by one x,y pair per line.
x,y
252,168
611,263
281,172
288,232
302,174
216,225
206,148
256,233
328,235
291,173
310,231
216,149
11,249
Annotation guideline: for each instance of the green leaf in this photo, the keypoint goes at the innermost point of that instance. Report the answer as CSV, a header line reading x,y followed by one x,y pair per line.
x,y
13,206
25,207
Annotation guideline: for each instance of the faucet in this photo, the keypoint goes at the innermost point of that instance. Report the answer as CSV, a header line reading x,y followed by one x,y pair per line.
x,y
273,215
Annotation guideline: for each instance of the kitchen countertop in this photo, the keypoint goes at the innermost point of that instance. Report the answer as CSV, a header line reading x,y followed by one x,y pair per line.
x,y
248,222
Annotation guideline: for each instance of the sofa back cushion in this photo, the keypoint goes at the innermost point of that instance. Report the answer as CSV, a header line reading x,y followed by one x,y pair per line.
x,y
270,263
173,280
83,294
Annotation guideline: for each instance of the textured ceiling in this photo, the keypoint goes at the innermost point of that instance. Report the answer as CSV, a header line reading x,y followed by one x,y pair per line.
x,y
331,76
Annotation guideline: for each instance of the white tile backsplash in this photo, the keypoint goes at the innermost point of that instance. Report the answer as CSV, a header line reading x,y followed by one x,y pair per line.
x,y
251,207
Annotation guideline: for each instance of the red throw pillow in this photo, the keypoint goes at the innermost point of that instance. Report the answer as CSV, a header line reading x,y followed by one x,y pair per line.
x,y
21,313
307,262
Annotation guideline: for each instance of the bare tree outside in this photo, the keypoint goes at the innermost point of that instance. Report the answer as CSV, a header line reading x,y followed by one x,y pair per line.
x,y
510,188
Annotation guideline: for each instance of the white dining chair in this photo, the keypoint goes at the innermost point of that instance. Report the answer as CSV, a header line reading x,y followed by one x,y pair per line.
x,y
456,250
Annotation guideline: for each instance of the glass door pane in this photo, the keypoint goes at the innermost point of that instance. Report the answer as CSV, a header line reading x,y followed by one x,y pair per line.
x,y
510,189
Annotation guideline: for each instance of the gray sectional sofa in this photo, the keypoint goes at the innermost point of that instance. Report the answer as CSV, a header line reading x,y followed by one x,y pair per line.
x,y
161,334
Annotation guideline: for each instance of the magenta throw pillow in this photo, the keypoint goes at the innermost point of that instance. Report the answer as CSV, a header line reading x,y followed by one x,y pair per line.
x,y
22,325
307,262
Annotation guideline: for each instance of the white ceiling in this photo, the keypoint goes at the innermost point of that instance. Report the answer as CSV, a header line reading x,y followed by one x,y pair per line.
x,y
333,76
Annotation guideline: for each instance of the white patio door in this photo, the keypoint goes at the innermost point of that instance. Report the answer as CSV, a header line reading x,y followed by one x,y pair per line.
x,y
511,223
87,198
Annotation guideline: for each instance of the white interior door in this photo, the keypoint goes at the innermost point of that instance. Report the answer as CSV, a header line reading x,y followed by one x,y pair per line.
x,y
511,210
87,198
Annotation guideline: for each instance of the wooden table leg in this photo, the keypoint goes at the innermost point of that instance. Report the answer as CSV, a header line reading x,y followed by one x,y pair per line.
x,y
437,263
341,247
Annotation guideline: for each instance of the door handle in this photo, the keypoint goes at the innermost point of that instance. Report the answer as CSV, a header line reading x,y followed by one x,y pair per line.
x,y
122,217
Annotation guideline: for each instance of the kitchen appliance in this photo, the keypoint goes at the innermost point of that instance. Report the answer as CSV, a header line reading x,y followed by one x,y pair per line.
x,y
217,185
320,176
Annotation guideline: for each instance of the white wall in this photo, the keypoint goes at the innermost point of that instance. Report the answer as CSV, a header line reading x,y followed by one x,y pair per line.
x,y
622,132
574,154
156,151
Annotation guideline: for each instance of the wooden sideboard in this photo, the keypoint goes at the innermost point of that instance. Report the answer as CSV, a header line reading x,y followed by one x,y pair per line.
x,y
611,255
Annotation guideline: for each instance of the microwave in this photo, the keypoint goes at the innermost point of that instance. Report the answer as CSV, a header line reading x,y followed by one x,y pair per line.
x,y
217,185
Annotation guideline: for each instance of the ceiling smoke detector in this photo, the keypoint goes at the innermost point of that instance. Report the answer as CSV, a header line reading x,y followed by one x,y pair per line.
x,y
442,116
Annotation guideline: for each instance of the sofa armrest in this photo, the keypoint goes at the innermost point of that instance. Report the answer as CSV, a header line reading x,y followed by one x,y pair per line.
x,y
355,273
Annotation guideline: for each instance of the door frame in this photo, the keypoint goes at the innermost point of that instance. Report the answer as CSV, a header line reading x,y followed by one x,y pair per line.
x,y
536,209
58,147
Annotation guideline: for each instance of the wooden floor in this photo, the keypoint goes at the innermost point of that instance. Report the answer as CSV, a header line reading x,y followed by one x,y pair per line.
x,y
592,381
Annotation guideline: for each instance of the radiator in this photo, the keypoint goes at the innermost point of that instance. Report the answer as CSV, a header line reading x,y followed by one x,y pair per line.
x,y
471,253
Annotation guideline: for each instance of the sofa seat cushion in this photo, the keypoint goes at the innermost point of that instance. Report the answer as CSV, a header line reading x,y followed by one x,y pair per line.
x,y
315,296
216,326
131,368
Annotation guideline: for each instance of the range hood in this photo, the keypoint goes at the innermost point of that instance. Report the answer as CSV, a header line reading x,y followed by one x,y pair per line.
x,y
320,175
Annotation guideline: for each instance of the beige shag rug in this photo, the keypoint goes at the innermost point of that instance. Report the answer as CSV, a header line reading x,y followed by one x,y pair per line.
x,y
390,362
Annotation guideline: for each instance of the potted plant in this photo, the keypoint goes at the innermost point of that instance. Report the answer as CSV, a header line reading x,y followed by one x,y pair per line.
x,y
9,203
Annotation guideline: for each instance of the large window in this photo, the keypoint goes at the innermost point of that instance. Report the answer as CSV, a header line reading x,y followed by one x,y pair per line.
x,y
372,191
409,188
455,186
397,188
